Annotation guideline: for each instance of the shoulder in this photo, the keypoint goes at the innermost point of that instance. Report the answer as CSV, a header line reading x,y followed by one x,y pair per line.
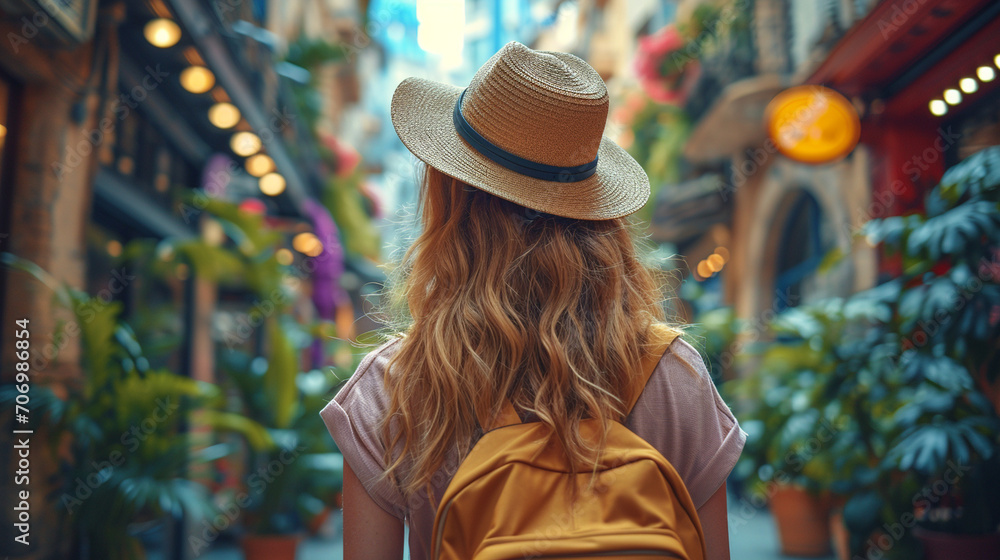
x,y
682,415
353,417
369,376
682,365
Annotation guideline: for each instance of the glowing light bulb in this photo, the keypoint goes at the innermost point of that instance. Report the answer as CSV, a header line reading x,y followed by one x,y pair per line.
x,y
259,165
245,143
197,79
224,115
952,96
162,32
968,85
272,184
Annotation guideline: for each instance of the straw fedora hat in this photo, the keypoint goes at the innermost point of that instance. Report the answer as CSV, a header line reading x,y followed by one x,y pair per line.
x,y
529,129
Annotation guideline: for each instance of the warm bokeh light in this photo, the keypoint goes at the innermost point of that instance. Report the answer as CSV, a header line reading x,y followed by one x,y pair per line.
x,y
968,85
224,115
114,248
938,107
245,144
308,244
722,252
986,74
162,33
213,233
952,96
197,79
272,184
996,60
715,262
259,165
704,269
284,257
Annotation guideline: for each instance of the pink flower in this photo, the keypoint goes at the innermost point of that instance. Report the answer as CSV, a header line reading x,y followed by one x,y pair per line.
x,y
665,73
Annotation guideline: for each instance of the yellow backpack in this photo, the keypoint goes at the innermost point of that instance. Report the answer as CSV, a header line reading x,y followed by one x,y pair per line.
x,y
510,498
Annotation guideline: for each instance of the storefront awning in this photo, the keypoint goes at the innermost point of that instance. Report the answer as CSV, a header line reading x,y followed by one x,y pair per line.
x,y
735,121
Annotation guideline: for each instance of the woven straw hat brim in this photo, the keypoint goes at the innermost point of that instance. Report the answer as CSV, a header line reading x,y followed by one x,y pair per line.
x,y
421,113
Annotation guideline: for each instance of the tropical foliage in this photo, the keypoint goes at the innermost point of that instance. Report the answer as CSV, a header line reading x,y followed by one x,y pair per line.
x,y
118,437
900,373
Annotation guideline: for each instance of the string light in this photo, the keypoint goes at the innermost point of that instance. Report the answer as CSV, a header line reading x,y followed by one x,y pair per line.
x,y
259,165
224,115
272,184
245,143
197,79
968,85
162,32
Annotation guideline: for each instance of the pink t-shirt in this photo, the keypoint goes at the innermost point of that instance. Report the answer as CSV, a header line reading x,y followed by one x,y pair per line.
x,y
680,413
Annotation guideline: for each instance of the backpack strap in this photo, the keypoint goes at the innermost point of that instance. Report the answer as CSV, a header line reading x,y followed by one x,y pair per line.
x,y
662,337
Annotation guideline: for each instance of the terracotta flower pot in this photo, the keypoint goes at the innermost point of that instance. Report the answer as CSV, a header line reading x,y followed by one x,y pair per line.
x,y
318,520
803,522
841,537
270,547
945,546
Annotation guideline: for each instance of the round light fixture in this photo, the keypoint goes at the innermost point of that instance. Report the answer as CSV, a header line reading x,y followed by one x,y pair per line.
x,y
986,74
968,85
272,184
938,107
245,144
259,165
224,115
812,124
952,96
197,79
162,33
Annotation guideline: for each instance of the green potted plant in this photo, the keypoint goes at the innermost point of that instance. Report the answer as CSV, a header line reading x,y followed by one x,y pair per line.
x,y
116,435
817,416
775,405
292,481
303,470
947,357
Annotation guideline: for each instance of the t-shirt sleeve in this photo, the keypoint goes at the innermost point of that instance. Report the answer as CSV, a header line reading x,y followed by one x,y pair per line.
x,y
353,418
682,415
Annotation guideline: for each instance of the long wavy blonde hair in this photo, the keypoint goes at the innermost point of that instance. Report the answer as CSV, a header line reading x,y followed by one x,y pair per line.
x,y
550,312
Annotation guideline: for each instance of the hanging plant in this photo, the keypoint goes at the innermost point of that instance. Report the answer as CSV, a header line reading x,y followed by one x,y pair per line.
x,y
666,70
